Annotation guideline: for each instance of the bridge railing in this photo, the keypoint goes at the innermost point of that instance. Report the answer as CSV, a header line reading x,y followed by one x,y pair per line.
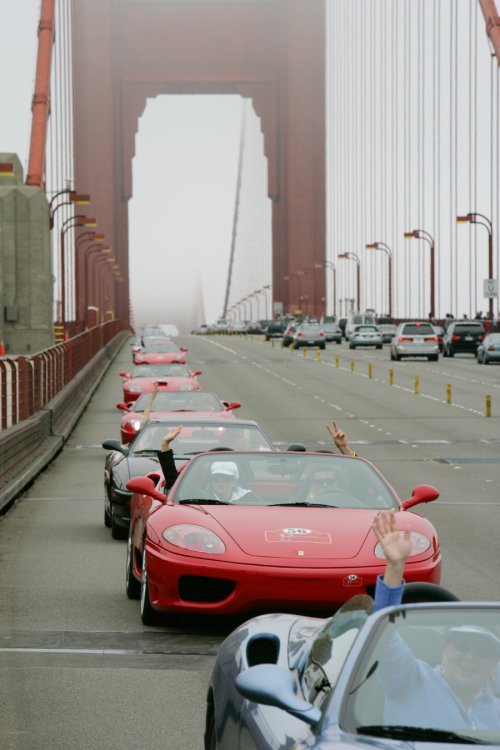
x,y
41,399
28,383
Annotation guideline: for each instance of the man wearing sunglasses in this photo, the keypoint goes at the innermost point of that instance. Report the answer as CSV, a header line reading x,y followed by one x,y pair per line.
x,y
457,693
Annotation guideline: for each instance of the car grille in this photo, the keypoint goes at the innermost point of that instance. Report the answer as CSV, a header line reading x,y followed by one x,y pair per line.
x,y
263,650
203,589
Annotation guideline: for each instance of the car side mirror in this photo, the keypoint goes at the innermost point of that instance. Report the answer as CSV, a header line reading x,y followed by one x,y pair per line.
x,y
230,405
196,373
123,406
296,447
145,486
422,493
124,374
274,686
183,349
115,445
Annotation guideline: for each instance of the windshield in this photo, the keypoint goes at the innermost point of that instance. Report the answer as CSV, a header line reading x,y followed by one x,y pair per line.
x,y
182,401
434,668
158,371
321,480
197,437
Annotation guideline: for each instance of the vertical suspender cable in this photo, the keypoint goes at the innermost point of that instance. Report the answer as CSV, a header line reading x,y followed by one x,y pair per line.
x,y
236,208
395,240
454,207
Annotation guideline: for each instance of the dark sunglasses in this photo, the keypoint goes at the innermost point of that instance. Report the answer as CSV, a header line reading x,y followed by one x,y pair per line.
x,y
222,478
475,645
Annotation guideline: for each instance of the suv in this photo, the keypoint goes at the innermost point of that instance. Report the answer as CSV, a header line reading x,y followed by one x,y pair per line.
x,y
415,339
463,336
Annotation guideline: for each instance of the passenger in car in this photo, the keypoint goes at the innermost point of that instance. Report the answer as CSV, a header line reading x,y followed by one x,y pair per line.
x,y
455,694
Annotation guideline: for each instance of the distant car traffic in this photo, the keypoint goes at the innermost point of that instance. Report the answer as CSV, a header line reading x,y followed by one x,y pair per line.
x,y
365,335
488,349
358,319
288,530
172,403
463,336
139,457
309,334
288,333
274,330
388,331
440,334
417,339
332,332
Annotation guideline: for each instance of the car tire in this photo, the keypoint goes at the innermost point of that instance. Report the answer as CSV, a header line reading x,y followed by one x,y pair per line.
x,y
392,356
339,342
486,361
379,346
433,357
351,346
397,357
132,585
149,616
322,346
117,531
211,735
451,353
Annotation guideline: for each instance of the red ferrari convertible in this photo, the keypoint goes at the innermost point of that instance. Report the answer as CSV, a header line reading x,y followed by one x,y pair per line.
x,y
173,377
165,352
246,531
168,403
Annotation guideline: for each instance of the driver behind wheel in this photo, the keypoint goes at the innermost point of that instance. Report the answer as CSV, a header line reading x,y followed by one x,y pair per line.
x,y
322,480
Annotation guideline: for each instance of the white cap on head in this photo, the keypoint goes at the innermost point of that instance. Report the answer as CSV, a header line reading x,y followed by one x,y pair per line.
x,y
228,468
478,632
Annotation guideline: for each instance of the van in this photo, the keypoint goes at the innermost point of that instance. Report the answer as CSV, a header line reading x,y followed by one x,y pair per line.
x,y
358,319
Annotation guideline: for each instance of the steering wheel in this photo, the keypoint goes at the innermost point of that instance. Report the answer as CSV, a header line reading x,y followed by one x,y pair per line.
x,y
344,495
426,592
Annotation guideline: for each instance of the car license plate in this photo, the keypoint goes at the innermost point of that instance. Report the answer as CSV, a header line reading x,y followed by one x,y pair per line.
x,y
468,338
418,339
311,341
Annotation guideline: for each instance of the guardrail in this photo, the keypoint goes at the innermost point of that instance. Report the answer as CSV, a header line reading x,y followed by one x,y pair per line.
x,y
41,398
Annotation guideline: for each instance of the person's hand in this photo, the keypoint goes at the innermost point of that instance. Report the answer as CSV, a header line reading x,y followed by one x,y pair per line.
x,y
156,387
167,439
339,438
395,544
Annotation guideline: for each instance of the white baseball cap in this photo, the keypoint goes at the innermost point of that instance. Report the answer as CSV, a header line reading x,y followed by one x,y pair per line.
x,y
228,468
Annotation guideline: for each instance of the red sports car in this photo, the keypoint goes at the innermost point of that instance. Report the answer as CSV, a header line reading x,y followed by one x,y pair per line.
x,y
171,403
242,531
164,352
173,377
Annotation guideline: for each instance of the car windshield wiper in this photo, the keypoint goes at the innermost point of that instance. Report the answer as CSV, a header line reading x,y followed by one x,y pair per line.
x,y
419,733
145,452
202,501
302,504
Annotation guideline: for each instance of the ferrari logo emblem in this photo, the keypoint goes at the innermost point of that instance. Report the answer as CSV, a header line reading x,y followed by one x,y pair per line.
x,y
300,553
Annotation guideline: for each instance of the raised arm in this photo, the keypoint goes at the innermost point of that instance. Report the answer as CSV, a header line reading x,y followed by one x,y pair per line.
x,y
340,439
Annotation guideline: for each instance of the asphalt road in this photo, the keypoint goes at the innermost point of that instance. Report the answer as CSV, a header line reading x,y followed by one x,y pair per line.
x,y
77,667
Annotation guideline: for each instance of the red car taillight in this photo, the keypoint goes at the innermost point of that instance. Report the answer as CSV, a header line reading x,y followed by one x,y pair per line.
x,y
405,338
455,338
432,338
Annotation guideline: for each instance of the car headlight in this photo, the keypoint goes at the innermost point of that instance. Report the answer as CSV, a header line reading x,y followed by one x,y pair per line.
x,y
419,545
186,387
195,538
132,426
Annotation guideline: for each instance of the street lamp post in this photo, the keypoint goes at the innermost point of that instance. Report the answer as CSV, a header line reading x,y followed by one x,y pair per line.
x,y
329,264
353,256
475,218
79,221
420,234
387,250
